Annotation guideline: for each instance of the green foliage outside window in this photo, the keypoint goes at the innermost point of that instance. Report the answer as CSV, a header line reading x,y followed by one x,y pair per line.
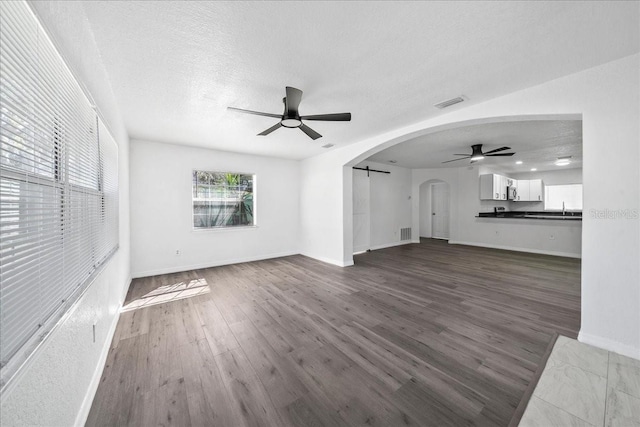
x,y
222,199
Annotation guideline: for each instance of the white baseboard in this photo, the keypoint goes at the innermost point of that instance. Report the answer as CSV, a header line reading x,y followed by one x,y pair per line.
x,y
390,245
512,248
125,291
83,412
330,260
607,344
209,264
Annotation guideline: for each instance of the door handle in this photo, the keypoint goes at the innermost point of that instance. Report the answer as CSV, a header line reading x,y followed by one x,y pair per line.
x,y
433,213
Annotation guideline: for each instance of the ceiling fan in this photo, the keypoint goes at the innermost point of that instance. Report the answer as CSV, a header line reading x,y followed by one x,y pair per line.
x,y
292,119
477,154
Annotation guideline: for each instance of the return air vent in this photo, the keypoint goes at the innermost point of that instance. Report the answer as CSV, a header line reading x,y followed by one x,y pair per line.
x,y
449,102
405,233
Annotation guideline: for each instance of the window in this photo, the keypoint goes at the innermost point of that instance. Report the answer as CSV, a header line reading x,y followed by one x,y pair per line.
x,y
223,199
58,187
569,194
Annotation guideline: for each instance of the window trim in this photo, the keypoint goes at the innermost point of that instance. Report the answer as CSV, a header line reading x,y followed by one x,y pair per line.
x,y
546,197
221,227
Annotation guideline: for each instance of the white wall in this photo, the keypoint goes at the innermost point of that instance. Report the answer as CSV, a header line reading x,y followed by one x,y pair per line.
x,y
390,203
607,98
323,200
56,386
161,209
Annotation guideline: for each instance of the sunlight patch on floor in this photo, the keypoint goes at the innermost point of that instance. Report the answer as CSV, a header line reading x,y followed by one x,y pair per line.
x,y
168,293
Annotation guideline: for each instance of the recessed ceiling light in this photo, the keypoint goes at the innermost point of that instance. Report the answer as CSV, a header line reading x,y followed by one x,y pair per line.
x,y
533,169
519,162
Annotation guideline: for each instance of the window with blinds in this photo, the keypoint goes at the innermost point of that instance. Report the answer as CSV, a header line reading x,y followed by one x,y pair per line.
x,y
58,187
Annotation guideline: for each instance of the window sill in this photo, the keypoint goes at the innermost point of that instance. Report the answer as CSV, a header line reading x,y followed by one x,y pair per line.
x,y
223,229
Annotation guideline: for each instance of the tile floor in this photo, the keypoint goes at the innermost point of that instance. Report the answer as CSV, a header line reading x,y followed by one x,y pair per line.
x,y
585,386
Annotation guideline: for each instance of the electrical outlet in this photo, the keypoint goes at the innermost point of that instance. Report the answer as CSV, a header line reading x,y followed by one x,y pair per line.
x,y
178,252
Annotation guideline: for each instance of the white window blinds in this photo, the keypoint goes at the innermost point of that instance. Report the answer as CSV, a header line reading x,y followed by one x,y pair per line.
x,y
58,187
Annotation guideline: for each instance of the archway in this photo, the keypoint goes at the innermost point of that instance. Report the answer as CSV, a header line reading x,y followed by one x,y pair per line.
x,y
378,144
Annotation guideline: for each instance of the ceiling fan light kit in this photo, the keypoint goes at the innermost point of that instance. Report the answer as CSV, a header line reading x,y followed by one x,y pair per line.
x,y
292,119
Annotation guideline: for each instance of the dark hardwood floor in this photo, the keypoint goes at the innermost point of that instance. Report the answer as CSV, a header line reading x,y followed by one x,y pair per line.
x,y
425,334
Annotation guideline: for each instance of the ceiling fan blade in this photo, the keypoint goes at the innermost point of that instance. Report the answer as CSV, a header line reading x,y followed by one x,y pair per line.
x,y
498,149
499,154
462,155
310,132
257,113
455,160
337,117
292,101
271,129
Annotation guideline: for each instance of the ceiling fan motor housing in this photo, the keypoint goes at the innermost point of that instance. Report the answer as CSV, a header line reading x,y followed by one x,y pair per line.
x,y
290,118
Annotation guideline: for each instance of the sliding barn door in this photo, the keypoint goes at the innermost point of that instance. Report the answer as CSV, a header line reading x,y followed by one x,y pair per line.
x,y
361,211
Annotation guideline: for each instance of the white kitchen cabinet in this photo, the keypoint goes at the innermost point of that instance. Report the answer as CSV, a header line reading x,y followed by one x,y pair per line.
x,y
536,190
493,187
529,190
504,182
522,191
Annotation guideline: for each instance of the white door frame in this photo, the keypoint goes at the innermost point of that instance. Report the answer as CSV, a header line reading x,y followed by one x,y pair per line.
x,y
440,208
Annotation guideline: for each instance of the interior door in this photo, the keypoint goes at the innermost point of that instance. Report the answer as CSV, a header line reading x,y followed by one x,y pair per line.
x,y
440,211
361,211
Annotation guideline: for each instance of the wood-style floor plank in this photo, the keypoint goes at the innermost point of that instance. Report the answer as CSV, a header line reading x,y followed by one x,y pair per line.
x,y
425,334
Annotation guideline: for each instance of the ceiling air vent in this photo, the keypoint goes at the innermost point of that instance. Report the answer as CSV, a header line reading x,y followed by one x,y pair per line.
x,y
449,102
327,145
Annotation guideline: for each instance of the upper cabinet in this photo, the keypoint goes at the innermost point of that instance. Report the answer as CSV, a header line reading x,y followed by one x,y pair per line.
x,y
493,187
496,187
536,190
528,190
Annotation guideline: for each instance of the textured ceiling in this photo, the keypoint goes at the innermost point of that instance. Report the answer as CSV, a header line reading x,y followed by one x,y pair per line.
x,y
174,67
536,143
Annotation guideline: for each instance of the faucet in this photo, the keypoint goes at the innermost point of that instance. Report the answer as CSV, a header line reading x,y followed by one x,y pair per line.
x,y
563,210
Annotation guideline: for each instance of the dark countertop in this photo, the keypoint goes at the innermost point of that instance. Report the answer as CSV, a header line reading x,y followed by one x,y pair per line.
x,y
553,216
